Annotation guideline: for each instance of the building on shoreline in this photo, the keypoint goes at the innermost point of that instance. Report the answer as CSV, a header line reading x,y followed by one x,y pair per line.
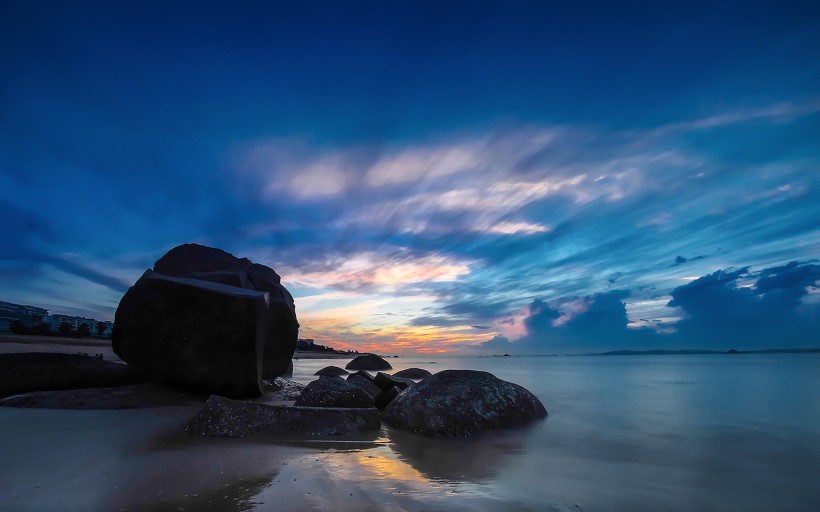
x,y
32,316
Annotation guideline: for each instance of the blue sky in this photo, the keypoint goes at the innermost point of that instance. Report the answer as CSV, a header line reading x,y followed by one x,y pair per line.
x,y
516,176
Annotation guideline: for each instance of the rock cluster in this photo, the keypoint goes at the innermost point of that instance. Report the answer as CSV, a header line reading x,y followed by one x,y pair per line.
x,y
206,321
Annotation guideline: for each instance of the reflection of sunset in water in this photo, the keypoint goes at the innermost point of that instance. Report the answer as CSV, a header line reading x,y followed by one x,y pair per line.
x,y
378,463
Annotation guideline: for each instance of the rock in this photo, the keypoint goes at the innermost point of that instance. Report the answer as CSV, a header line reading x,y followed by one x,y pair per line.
x,y
413,373
365,384
387,396
385,381
282,389
232,418
365,374
277,325
460,403
368,362
333,392
37,371
196,335
124,397
332,371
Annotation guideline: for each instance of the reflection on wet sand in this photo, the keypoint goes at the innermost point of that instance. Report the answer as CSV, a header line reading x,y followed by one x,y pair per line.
x,y
457,460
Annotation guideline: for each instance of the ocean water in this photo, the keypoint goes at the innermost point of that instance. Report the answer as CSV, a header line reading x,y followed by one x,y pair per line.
x,y
634,433
624,433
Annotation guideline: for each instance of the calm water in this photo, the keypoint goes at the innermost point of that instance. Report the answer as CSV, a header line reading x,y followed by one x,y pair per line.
x,y
711,432
624,433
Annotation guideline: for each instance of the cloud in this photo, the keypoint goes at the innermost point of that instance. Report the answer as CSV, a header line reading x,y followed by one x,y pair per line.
x,y
680,260
727,308
720,309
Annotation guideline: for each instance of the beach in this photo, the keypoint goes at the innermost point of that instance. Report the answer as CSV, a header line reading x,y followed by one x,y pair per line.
x,y
625,433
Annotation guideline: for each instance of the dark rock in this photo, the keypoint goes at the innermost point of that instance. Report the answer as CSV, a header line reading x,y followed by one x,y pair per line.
x,y
386,381
387,396
368,362
205,264
732,351
37,371
413,373
196,335
332,371
124,397
460,403
232,418
282,389
364,383
365,374
333,392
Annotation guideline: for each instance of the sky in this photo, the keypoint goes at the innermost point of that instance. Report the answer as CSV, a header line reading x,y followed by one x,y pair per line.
x,y
433,177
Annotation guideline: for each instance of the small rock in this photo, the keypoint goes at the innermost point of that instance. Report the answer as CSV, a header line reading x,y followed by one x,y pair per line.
x,y
332,371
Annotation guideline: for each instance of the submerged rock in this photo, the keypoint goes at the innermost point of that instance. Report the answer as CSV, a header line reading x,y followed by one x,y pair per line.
x,y
233,418
386,381
39,371
208,322
461,403
333,392
368,362
413,373
332,371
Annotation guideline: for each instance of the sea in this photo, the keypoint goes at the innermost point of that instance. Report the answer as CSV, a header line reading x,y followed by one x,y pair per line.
x,y
624,433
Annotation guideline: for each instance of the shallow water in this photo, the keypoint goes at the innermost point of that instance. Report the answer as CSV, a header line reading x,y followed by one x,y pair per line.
x,y
624,433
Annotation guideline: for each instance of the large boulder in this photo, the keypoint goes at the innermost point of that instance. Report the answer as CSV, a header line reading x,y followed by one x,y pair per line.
x,y
460,403
368,362
38,371
207,321
233,418
413,373
333,392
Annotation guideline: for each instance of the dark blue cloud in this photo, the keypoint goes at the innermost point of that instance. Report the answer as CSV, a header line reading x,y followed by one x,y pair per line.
x,y
724,309
766,312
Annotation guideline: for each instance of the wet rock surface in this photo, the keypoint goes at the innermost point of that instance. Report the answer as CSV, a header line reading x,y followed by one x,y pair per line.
x,y
413,373
39,371
368,362
224,417
333,392
461,403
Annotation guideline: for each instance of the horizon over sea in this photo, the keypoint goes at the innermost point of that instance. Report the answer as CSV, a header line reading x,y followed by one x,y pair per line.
x,y
627,433
644,432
